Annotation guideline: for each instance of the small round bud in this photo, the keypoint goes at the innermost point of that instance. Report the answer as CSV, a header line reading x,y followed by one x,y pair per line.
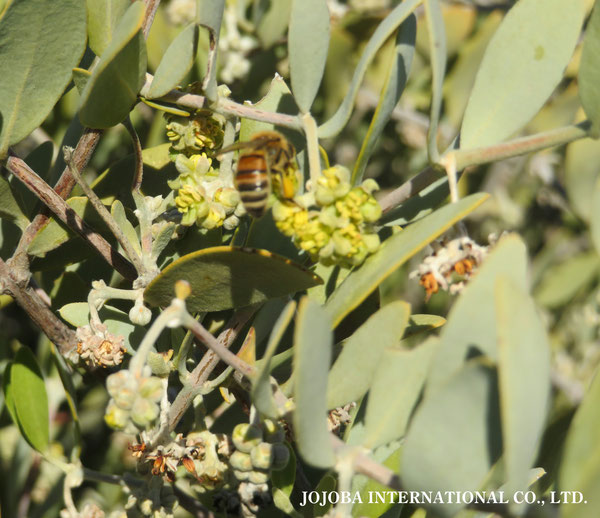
x,y
262,455
183,289
151,389
240,461
281,456
140,314
246,436
144,413
241,475
116,417
258,477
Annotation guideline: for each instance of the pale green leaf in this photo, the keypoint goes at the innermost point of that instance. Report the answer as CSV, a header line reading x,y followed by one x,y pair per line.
x,y
226,277
582,168
354,369
209,14
80,78
176,62
390,93
398,382
308,41
418,323
523,64
103,17
595,217
471,325
112,89
272,26
118,213
563,281
589,70
454,437
524,380
580,466
40,42
394,252
385,29
437,56
30,399
312,355
116,321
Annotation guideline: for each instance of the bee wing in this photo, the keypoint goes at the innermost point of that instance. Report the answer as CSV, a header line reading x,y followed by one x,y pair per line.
x,y
255,143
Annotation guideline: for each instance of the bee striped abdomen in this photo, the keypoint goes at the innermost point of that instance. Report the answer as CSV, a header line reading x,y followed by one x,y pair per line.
x,y
252,182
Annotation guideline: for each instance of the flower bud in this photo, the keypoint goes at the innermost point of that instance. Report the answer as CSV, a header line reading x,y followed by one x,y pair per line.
x,y
262,455
245,436
258,477
272,431
144,413
240,461
281,456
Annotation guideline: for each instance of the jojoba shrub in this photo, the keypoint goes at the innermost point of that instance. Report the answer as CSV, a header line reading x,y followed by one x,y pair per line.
x,y
299,258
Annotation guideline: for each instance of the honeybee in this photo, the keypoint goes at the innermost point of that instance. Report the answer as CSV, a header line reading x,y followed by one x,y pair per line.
x,y
267,164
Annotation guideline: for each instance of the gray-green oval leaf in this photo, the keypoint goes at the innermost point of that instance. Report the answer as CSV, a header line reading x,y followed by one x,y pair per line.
x,y
308,42
353,371
176,62
524,380
103,17
30,399
312,355
589,70
522,65
397,385
226,277
116,80
393,253
454,438
580,467
36,58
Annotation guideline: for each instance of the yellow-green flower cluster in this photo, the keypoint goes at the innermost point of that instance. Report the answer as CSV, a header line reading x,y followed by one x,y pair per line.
x,y
204,197
133,406
202,131
340,229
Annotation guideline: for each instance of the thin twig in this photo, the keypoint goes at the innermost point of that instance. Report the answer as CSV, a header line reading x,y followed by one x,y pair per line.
x,y
411,188
85,146
204,369
104,214
38,311
69,217
151,7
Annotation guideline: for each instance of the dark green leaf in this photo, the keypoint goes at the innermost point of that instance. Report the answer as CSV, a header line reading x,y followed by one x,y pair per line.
x,y
580,466
353,371
103,17
40,42
226,277
390,93
397,385
262,396
112,89
9,207
419,323
312,356
523,63
589,70
393,253
176,62
386,28
524,380
308,41
454,437
30,399
283,484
